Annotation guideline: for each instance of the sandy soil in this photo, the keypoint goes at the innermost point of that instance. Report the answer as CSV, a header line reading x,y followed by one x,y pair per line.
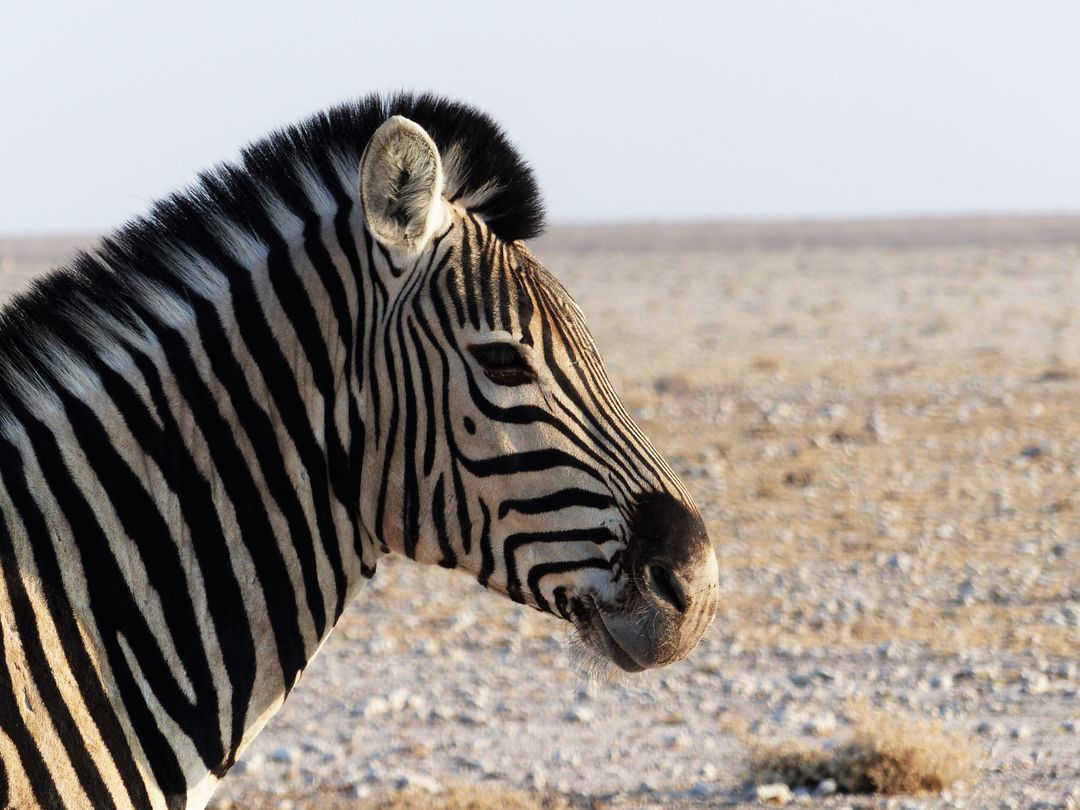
x,y
881,423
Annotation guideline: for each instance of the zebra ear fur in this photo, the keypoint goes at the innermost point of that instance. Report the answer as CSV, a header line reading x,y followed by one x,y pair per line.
x,y
401,185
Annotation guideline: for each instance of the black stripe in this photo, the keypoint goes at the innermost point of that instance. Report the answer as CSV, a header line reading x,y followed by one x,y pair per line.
x,y
454,293
344,232
464,519
5,795
525,308
438,518
563,499
468,277
526,461
503,269
487,556
424,372
378,301
486,270
538,572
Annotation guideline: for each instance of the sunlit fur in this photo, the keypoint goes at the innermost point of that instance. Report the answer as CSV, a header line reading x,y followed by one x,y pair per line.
x,y
215,423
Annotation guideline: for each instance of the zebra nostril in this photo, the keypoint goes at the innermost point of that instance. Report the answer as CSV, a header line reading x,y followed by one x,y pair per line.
x,y
666,586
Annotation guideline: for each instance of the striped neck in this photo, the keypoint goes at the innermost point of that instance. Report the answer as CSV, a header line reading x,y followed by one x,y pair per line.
x,y
208,444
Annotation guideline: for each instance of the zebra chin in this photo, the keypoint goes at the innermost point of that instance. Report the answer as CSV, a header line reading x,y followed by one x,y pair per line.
x,y
641,633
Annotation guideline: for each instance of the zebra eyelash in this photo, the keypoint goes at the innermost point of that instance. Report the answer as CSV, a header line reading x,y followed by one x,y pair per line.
x,y
503,363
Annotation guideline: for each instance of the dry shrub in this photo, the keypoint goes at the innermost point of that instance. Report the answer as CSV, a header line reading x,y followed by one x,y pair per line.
x,y
452,797
471,797
884,755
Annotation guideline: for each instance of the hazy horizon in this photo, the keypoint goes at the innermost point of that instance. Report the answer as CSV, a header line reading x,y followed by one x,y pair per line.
x,y
698,112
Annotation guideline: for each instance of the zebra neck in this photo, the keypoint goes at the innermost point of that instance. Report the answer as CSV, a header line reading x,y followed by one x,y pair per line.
x,y
181,506
283,427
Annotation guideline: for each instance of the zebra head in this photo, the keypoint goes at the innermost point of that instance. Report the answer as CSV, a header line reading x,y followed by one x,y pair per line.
x,y
500,445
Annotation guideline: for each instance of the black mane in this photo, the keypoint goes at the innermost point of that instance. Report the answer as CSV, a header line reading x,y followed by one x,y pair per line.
x,y
98,287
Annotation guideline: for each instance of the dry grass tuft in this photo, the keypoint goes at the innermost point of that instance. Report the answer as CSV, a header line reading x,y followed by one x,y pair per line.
x,y
883,756
471,797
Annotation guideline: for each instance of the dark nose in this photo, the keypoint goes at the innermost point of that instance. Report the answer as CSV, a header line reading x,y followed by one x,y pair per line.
x,y
668,548
666,585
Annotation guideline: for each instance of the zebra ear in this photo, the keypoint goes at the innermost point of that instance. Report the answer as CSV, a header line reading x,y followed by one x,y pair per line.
x,y
401,185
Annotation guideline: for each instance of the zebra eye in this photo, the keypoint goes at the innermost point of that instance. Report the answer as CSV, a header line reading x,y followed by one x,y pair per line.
x,y
503,363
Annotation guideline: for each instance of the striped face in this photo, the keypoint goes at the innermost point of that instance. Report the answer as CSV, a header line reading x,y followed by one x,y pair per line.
x,y
499,443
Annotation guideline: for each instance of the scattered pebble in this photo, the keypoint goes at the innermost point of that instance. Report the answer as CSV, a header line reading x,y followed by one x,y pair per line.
x,y
284,755
421,781
580,714
821,725
777,793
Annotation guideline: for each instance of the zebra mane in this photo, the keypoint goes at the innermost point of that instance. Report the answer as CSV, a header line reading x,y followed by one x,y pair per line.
x,y
72,314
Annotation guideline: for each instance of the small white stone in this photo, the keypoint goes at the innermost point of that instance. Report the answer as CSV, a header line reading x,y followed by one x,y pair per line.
x,y
579,714
1035,683
826,787
397,700
942,681
821,725
777,793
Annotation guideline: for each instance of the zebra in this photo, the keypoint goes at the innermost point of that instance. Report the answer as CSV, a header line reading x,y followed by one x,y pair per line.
x,y
216,421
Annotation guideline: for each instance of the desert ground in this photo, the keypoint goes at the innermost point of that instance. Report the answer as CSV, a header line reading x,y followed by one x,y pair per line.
x,y
881,424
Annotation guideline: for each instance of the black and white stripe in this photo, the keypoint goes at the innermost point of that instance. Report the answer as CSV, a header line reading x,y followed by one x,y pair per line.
x,y
214,424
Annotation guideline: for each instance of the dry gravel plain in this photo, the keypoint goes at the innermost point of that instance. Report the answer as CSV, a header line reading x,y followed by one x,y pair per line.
x,y
881,424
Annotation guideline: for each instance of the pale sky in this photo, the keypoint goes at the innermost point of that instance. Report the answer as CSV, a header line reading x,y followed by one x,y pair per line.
x,y
664,110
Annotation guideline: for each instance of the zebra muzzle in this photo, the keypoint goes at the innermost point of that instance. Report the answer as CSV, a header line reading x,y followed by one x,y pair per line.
x,y
670,597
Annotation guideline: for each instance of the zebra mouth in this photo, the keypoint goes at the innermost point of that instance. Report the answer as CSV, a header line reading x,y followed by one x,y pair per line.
x,y
589,621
